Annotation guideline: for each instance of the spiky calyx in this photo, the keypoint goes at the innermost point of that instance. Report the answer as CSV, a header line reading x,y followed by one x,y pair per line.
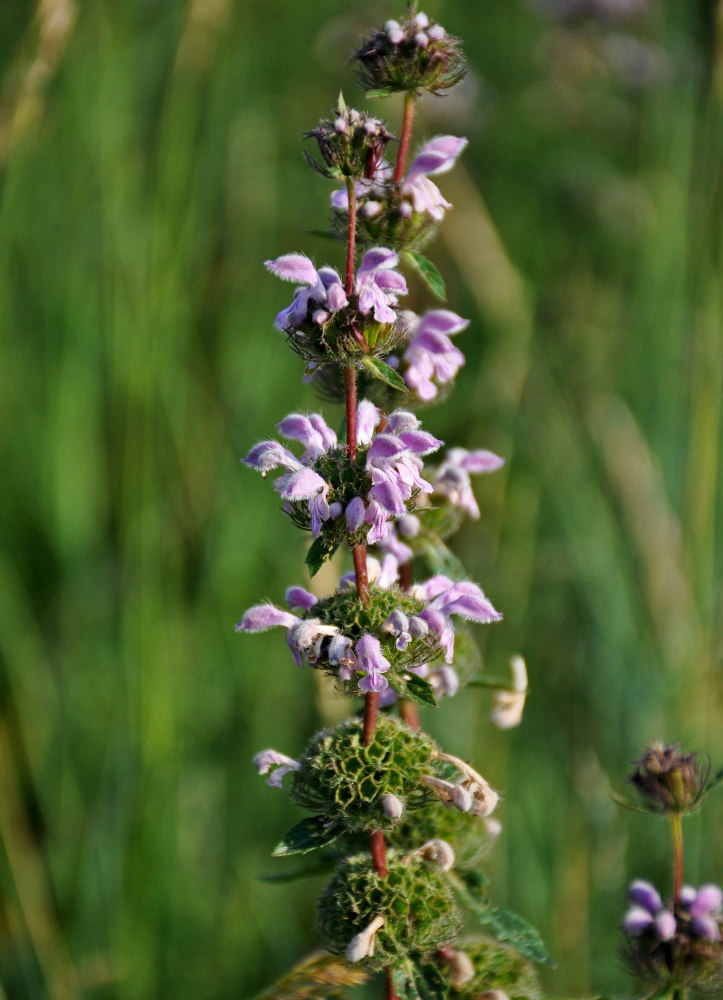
x,y
346,781
419,912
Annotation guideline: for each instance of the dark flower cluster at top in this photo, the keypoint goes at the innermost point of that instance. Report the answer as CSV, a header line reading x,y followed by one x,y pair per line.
x,y
413,54
351,144
669,780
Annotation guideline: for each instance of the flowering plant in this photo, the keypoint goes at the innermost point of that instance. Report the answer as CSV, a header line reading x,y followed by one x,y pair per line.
x,y
404,821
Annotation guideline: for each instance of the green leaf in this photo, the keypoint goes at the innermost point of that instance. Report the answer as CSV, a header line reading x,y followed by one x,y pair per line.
x,y
428,272
632,804
483,681
327,234
430,983
308,835
440,558
378,92
413,688
320,976
300,873
384,372
506,926
319,551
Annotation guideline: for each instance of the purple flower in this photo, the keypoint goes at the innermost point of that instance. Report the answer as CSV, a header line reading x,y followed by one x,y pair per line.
x,y
444,598
436,157
322,288
636,921
377,284
431,355
452,478
422,195
708,898
299,597
644,894
665,925
373,662
278,763
305,636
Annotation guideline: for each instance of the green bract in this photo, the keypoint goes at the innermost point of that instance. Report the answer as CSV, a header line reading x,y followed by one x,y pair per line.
x,y
419,912
465,834
345,781
497,967
345,610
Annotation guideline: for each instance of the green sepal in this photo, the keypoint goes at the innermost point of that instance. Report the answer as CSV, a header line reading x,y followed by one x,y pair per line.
x,y
384,372
319,551
428,272
308,835
320,976
507,927
632,804
378,92
440,558
413,688
716,780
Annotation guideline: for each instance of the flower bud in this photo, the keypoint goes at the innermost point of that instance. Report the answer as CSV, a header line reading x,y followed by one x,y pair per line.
x,y
668,780
393,806
351,144
411,54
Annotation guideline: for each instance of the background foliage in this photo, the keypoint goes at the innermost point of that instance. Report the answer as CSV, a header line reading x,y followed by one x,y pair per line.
x,y
149,162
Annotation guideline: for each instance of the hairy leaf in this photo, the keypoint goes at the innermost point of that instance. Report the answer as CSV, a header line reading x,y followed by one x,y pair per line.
x,y
319,551
506,926
413,688
384,372
428,272
307,835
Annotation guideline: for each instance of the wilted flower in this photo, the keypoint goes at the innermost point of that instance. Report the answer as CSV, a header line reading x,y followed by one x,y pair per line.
x,y
362,944
509,705
277,763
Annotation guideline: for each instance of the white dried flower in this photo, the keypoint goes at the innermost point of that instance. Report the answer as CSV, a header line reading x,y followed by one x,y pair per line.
x,y
509,705
362,944
439,853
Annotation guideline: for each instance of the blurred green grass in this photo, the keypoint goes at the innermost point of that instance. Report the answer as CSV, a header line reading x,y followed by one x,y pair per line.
x,y
150,163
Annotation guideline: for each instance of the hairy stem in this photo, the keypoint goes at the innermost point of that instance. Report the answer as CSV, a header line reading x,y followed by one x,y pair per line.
x,y
390,993
351,237
350,399
406,137
676,826
379,852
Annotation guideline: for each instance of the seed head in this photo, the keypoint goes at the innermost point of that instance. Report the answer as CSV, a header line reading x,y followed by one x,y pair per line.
x,y
668,780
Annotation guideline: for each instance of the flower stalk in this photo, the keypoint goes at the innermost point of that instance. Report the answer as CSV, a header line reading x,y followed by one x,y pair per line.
x,y
406,136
